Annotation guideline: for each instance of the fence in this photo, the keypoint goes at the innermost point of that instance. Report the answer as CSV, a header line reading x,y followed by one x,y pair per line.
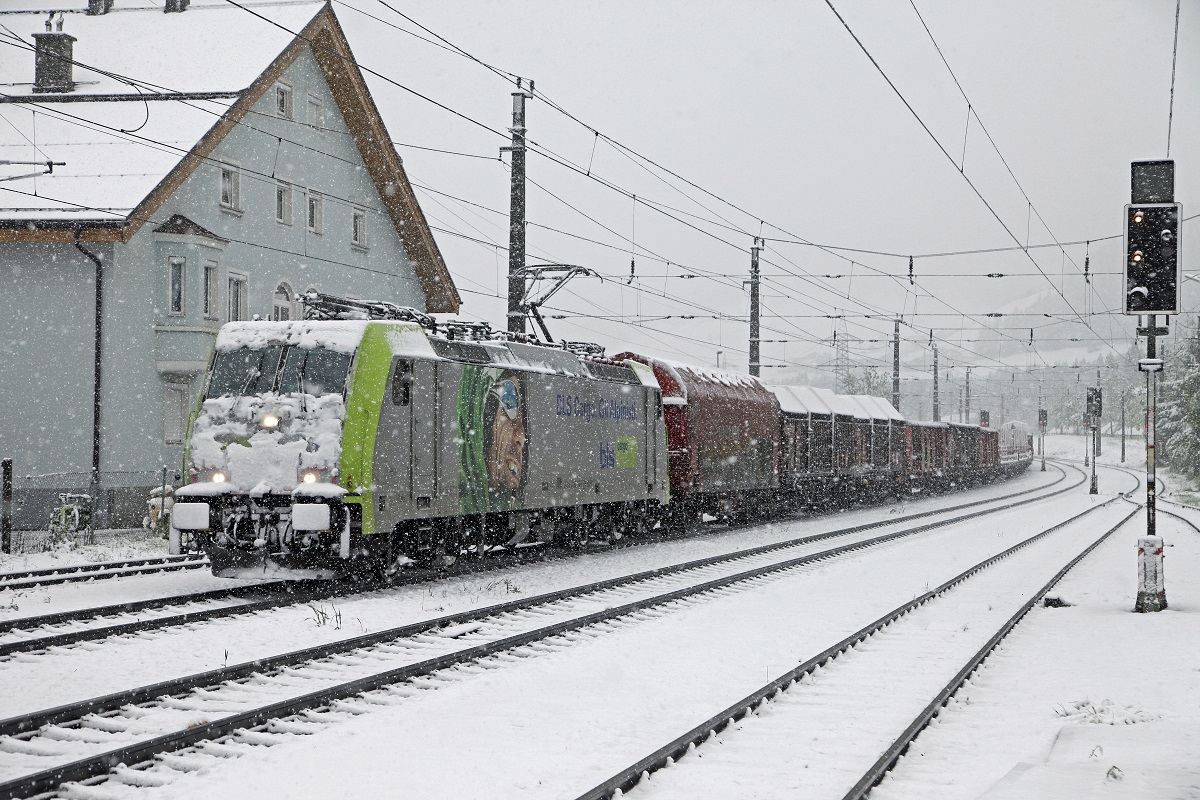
x,y
27,542
121,502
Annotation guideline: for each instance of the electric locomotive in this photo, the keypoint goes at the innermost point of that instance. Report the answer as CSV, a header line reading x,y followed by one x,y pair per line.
x,y
368,437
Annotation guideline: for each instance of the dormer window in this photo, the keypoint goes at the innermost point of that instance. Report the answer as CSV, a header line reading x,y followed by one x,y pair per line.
x,y
283,100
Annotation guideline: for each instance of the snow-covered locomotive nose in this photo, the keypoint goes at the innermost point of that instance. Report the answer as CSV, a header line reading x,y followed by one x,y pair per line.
x,y
265,448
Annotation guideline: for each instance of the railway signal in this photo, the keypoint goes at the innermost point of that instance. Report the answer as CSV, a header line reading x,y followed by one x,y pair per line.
x,y
1152,281
1095,405
1042,420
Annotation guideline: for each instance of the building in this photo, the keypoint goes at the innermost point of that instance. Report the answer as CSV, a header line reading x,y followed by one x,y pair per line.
x,y
164,170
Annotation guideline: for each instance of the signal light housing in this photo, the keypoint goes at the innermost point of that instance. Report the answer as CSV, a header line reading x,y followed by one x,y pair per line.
x,y
1153,261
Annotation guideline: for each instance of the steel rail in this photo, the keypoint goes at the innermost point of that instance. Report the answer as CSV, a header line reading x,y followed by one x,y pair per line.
x,y
628,778
1180,517
97,612
68,711
340,590
138,753
893,753
73,573
1139,475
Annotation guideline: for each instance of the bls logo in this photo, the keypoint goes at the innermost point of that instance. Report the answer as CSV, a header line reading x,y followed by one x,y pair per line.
x,y
608,456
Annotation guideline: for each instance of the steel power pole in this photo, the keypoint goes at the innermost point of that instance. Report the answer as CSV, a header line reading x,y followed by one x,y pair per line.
x,y
1151,422
967,417
516,212
1122,426
937,407
6,496
896,366
755,363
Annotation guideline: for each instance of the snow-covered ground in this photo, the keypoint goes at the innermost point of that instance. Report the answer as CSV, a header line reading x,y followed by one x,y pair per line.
x,y
1089,700
552,720
109,546
96,668
471,591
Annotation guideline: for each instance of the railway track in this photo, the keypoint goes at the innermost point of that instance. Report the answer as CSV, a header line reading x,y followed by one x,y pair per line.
x,y
76,573
810,701
83,741
1160,498
36,633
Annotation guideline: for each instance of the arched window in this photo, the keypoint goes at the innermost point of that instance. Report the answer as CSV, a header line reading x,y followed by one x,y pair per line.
x,y
281,304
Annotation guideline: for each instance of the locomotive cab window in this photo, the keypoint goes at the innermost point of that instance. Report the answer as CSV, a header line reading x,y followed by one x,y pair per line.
x,y
243,372
316,371
402,379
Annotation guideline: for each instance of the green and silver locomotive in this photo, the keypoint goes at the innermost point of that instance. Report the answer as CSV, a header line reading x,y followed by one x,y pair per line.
x,y
369,437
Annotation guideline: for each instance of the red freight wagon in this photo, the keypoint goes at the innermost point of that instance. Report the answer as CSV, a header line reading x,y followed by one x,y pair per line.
x,y
722,436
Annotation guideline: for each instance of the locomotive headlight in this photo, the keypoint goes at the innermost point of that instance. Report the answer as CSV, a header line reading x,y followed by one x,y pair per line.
x,y
1139,215
1136,258
218,477
270,421
310,475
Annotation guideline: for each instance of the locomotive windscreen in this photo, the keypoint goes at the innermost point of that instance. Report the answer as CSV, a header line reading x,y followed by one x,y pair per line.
x,y
318,371
246,371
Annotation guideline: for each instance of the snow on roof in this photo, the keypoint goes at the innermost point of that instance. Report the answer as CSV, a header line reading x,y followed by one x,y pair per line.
x,y
720,376
862,410
341,335
105,169
800,400
707,374
880,409
840,404
211,47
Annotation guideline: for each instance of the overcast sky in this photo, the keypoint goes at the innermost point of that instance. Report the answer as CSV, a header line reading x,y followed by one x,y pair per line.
x,y
774,108
670,134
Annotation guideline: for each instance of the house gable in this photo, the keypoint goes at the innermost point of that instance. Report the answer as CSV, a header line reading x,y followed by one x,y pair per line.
x,y
332,52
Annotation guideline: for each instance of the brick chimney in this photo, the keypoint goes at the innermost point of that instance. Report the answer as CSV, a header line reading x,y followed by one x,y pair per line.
x,y
176,6
53,53
99,7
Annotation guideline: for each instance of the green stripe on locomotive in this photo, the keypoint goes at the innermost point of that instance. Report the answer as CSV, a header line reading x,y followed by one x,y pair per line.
x,y
372,365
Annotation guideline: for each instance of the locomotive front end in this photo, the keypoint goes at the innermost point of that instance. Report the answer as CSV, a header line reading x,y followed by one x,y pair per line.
x,y
264,453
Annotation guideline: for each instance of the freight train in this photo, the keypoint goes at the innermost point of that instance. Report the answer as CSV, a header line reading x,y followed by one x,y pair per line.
x,y
366,438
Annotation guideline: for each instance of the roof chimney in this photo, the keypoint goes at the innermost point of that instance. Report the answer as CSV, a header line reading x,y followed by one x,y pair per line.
x,y
176,6
54,53
99,7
